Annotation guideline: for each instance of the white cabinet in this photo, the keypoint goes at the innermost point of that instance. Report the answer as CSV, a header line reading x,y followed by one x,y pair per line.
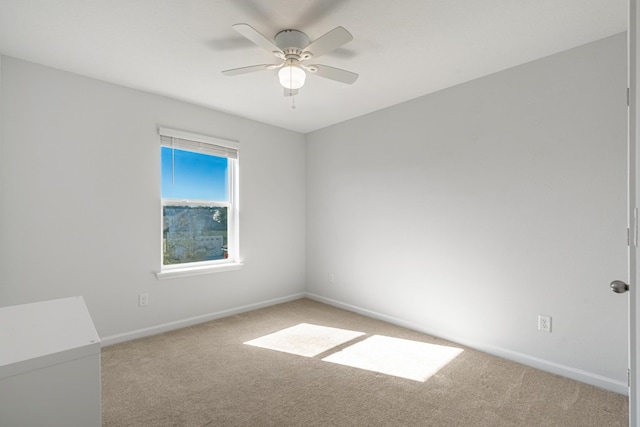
x,y
49,365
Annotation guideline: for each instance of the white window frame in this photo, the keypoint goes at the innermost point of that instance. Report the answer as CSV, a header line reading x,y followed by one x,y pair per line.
x,y
217,147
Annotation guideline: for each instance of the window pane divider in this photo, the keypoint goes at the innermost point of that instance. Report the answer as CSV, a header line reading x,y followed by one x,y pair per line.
x,y
207,203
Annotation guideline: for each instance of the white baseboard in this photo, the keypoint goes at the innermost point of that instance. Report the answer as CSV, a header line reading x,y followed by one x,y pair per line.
x,y
165,327
524,359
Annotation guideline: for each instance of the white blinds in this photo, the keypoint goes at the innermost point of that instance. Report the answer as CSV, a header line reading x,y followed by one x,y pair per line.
x,y
198,143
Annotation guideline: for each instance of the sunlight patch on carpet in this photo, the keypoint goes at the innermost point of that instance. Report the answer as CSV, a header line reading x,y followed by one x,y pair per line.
x,y
398,357
305,339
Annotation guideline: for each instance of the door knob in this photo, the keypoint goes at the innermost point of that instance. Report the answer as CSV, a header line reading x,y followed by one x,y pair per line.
x,y
619,287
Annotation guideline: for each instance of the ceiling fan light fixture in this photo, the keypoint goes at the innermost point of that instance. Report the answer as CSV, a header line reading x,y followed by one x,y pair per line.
x,y
292,47
292,77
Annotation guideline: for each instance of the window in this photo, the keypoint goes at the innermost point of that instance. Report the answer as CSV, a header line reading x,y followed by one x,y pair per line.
x,y
199,201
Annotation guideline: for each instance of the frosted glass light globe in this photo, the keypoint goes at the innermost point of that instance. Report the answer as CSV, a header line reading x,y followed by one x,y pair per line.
x,y
291,77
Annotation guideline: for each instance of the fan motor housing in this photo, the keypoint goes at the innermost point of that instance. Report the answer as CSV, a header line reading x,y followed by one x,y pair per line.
x,y
286,39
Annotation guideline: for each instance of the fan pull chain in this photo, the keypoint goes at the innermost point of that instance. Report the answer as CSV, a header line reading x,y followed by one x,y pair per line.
x,y
293,102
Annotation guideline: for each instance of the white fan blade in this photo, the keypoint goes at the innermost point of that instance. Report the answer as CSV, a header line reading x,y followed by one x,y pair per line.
x,y
249,69
328,42
252,34
333,73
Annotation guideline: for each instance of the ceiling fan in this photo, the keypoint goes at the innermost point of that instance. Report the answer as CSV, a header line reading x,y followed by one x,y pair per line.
x,y
294,49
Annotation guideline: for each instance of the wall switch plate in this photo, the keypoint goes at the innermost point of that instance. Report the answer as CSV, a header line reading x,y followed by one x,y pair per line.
x,y
143,300
544,323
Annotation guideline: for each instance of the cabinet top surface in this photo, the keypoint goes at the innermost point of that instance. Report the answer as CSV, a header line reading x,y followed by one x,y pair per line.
x,y
29,331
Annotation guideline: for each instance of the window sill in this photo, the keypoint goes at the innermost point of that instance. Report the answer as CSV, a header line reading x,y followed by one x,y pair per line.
x,y
196,271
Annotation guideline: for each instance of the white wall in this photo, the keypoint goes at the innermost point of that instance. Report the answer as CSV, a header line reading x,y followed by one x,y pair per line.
x,y
80,204
468,212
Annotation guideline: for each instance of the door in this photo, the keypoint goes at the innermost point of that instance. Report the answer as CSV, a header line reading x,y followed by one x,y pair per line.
x,y
633,186
632,213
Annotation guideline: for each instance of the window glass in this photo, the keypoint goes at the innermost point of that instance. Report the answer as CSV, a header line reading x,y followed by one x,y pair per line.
x,y
194,234
196,205
187,175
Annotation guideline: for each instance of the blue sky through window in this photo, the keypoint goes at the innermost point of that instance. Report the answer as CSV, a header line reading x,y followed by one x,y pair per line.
x,y
196,176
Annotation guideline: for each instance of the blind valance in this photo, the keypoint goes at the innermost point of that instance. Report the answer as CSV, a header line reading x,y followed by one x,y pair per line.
x,y
198,143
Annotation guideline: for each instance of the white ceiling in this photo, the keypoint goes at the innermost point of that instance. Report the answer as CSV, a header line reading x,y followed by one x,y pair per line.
x,y
402,49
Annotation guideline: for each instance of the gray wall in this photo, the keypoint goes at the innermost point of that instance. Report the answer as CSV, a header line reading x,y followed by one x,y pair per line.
x,y
80,203
468,212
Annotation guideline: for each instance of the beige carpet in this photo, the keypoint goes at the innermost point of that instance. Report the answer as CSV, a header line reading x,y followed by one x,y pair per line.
x,y
214,374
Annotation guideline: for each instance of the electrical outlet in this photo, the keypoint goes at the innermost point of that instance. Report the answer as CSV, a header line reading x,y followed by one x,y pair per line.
x,y
332,278
544,323
143,300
